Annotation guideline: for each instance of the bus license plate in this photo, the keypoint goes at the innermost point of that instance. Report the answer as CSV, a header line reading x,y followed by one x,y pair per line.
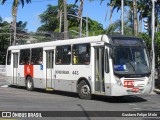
x,y
135,90
129,83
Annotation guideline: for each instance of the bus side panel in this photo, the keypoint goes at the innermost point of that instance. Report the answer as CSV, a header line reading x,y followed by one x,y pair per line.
x,y
67,76
38,76
9,73
21,77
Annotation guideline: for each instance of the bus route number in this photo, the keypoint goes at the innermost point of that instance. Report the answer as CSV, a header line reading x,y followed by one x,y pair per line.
x,y
75,72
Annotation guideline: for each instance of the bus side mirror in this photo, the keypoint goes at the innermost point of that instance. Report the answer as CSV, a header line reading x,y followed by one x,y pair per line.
x,y
111,52
106,61
151,54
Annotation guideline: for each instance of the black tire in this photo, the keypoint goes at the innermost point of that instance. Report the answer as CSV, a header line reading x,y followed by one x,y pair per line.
x,y
84,90
29,83
118,97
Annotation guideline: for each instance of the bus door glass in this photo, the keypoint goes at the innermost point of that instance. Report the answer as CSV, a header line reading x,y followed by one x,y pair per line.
x,y
49,68
15,66
99,69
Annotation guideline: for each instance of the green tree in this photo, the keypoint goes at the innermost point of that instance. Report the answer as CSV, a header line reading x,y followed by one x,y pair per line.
x,y
50,21
14,12
115,27
6,36
4,40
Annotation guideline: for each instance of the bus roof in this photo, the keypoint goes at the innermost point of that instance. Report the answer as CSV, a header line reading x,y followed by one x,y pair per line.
x,y
93,39
99,38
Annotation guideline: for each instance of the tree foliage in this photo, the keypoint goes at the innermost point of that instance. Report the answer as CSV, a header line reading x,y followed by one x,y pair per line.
x,y
50,21
6,36
50,18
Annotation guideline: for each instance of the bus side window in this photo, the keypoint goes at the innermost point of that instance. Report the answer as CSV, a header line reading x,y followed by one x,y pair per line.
x,y
81,54
37,55
9,57
63,55
24,57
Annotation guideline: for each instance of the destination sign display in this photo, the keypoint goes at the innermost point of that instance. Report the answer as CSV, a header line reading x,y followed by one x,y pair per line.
x,y
127,42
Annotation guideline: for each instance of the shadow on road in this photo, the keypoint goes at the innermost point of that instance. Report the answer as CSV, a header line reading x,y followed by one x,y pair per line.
x,y
125,99
62,93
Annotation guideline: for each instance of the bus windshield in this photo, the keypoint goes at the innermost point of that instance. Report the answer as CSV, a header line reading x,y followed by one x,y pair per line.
x,y
131,60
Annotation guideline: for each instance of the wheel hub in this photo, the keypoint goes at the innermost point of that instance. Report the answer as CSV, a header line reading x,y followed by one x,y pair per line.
x,y
85,90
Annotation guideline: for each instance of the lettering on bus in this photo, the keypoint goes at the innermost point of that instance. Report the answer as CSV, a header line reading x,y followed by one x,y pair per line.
x,y
61,72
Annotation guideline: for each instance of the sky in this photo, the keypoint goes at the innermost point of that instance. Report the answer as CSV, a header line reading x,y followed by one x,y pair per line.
x,y
30,12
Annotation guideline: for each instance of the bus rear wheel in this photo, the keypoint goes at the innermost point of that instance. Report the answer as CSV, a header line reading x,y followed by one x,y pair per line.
x,y
29,83
84,90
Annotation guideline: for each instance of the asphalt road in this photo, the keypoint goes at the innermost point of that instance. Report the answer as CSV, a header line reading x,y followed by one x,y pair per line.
x,y
19,99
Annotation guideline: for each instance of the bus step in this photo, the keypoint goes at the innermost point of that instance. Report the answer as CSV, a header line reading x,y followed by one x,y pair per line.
x,y
49,89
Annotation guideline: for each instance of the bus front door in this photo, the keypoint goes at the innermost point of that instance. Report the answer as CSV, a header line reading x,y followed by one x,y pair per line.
x,y
49,68
99,70
15,66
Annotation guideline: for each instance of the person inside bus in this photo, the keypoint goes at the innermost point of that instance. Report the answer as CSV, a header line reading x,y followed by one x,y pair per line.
x,y
22,62
123,57
40,61
85,58
75,58
59,61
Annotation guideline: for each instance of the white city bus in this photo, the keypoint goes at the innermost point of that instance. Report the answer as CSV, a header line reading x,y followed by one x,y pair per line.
x,y
104,65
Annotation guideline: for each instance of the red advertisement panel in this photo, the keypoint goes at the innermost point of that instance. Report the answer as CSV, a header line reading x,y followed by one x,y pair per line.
x,y
28,70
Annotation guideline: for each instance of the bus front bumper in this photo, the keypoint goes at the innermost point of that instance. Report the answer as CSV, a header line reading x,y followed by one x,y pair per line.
x,y
117,90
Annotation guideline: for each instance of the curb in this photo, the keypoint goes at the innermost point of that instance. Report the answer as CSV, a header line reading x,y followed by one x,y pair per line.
x,y
157,91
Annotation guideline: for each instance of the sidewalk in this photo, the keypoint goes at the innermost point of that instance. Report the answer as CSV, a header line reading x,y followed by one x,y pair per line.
x,y
157,91
2,80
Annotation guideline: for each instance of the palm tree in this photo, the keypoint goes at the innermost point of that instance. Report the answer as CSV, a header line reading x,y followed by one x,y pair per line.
x,y
133,6
14,13
141,5
135,17
80,15
60,8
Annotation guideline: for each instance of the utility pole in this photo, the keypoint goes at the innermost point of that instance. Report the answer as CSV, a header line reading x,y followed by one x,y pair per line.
x,y
60,21
86,25
153,41
135,17
65,21
122,17
80,27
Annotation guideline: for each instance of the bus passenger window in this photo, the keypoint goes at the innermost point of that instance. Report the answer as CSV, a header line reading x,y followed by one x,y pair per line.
x,y
63,55
81,54
24,56
9,58
37,55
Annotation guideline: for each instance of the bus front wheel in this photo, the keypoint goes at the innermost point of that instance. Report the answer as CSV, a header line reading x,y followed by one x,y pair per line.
x,y
84,90
29,84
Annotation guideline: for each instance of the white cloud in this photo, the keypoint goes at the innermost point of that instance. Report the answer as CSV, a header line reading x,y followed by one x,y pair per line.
x,y
8,19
